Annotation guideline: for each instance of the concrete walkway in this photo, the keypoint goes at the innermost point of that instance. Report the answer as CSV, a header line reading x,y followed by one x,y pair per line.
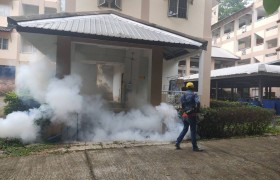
x,y
248,158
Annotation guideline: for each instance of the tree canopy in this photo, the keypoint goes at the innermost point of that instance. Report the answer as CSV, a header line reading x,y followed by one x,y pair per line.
x,y
271,6
228,7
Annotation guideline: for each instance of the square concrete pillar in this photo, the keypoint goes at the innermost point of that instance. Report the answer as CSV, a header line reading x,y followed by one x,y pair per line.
x,y
205,59
204,77
260,90
188,66
70,6
41,6
156,76
63,60
145,10
212,64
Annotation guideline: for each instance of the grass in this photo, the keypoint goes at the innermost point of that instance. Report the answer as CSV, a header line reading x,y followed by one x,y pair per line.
x,y
276,128
15,148
1,107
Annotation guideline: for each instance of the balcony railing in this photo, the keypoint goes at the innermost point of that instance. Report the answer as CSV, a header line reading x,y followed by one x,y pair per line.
x,y
266,20
228,36
271,57
244,29
258,47
244,52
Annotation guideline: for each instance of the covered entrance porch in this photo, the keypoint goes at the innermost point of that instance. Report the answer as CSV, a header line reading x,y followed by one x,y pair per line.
x,y
117,56
258,84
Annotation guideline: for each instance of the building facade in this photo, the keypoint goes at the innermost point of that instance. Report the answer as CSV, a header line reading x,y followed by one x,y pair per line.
x,y
14,49
192,17
249,34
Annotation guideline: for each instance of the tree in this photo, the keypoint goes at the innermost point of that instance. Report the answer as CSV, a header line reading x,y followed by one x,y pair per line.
x,y
271,6
228,7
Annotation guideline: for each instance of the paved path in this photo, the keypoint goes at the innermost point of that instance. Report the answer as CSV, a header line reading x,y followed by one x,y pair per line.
x,y
249,158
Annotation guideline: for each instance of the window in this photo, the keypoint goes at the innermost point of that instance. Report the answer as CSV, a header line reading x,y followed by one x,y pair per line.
x,y
49,10
228,28
7,71
115,4
244,43
4,43
216,33
243,62
259,40
29,10
177,8
274,27
271,54
5,10
271,43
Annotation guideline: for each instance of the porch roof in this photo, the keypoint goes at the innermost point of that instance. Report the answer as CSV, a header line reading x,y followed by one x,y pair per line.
x,y
5,29
240,71
243,76
110,26
222,54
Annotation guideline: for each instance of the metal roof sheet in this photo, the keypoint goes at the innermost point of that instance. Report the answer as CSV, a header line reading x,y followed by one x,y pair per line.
x,y
110,25
5,29
222,54
239,70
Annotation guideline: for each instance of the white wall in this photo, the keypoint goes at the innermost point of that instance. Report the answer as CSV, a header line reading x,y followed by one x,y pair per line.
x,y
170,69
117,82
45,45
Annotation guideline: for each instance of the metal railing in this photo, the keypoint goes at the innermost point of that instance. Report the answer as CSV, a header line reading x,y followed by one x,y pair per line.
x,y
172,97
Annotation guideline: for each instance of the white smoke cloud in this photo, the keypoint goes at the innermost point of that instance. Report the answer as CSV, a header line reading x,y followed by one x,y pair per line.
x,y
145,123
35,77
61,99
63,96
20,125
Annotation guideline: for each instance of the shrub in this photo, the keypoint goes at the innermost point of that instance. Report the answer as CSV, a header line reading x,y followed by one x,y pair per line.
x,y
5,143
16,103
234,121
220,104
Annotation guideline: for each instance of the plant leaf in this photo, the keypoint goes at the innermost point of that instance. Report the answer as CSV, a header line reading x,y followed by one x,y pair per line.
x,y
271,6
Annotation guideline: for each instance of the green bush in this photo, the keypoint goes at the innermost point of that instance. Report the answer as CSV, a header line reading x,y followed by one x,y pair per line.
x,y
16,103
234,121
5,143
221,104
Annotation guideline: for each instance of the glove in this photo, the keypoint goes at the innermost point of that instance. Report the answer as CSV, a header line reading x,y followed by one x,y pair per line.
x,y
184,115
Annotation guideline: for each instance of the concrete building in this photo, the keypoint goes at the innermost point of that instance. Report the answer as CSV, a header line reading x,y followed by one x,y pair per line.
x,y
249,34
15,49
191,17
117,56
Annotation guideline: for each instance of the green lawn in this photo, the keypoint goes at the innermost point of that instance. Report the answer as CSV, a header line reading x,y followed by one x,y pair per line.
x,y
14,148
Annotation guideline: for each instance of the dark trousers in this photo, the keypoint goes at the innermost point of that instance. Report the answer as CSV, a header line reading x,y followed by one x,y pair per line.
x,y
189,121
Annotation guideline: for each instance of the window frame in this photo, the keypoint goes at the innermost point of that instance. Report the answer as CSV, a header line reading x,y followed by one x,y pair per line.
x,y
270,42
2,43
176,15
117,4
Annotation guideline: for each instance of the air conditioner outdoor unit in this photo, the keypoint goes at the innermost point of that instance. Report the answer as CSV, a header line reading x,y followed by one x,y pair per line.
x,y
171,13
228,35
243,51
244,29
